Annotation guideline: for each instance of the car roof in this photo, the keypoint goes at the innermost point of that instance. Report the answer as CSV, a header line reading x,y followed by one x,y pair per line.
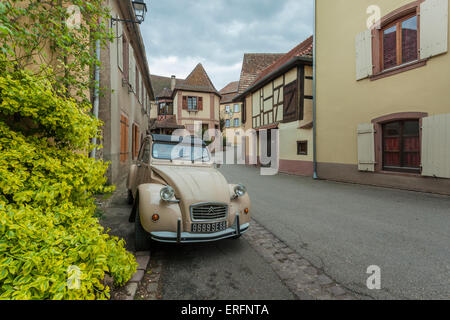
x,y
176,139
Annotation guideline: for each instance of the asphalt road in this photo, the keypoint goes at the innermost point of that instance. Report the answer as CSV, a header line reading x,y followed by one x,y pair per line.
x,y
345,228
228,269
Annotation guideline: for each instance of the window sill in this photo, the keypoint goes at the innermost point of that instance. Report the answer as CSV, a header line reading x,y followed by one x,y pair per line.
x,y
399,69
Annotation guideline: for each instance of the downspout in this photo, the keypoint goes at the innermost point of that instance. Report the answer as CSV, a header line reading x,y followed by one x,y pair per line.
x,y
96,92
315,176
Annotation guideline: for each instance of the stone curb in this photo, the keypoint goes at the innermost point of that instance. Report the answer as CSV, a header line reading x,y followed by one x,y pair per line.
x,y
143,259
304,280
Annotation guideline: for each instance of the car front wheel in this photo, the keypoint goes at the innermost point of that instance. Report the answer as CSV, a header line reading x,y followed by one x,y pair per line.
x,y
142,238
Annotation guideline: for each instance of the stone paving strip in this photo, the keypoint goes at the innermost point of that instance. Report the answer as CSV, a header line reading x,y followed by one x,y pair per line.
x,y
304,280
128,292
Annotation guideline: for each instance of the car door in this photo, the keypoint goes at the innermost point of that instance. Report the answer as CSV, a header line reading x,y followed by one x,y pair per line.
x,y
143,164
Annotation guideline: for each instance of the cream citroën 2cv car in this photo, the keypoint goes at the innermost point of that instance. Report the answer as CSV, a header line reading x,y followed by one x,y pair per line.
x,y
179,196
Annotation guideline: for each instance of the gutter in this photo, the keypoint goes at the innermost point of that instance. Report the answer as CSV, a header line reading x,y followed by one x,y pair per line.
x,y
315,176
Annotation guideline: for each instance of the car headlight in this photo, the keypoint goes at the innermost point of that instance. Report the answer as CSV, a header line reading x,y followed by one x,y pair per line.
x,y
167,193
240,190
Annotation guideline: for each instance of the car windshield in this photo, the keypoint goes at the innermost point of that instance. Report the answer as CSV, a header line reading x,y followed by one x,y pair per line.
x,y
170,151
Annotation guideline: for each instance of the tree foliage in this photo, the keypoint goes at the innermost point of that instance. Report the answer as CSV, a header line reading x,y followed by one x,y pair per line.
x,y
47,181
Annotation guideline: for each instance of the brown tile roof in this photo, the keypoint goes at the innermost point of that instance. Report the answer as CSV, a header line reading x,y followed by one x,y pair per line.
x,y
159,83
165,93
198,80
232,87
252,65
229,92
304,49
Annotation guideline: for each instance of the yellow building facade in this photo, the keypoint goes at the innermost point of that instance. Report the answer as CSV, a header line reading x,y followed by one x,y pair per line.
x,y
383,110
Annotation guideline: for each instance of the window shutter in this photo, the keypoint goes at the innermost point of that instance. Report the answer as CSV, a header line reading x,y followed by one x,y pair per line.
x,y
433,28
119,45
200,103
290,102
366,147
436,146
363,44
185,103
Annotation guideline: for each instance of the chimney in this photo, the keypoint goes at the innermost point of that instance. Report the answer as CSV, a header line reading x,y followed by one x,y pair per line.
x,y
173,82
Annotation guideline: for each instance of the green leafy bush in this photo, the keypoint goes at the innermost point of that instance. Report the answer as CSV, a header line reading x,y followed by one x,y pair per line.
x,y
47,184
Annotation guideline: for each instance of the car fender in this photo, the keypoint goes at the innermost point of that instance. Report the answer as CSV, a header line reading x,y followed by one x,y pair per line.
x,y
150,203
238,205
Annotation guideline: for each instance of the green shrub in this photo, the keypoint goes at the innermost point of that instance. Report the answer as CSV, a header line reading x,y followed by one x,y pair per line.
x,y
47,184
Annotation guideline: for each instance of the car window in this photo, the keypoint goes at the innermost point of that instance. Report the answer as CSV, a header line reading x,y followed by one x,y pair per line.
x,y
185,152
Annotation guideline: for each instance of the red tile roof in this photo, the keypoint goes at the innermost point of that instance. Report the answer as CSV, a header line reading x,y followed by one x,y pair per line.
x,y
252,65
304,49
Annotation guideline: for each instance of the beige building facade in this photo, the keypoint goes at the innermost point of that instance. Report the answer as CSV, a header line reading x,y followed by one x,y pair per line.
x,y
231,114
124,106
191,101
383,112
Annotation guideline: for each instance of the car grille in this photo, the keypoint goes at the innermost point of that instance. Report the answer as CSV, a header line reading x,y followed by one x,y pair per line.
x,y
209,211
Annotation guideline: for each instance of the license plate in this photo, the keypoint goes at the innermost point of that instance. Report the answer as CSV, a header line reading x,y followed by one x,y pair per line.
x,y
208,227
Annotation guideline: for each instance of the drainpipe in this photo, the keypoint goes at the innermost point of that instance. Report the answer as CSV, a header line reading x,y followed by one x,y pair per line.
x,y
96,92
315,176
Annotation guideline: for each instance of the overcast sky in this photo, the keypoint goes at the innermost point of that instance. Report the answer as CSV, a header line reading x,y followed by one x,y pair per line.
x,y
178,34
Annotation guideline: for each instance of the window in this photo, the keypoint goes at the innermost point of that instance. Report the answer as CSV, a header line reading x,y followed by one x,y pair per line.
x,y
399,42
236,108
302,147
192,103
401,146
227,109
135,145
227,123
236,122
123,138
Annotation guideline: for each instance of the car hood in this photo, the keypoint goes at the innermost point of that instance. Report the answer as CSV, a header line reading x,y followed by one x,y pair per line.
x,y
195,184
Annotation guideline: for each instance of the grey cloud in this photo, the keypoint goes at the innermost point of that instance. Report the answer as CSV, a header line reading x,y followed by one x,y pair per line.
x,y
219,32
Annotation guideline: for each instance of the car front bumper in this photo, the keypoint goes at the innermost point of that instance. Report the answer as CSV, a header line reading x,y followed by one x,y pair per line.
x,y
188,237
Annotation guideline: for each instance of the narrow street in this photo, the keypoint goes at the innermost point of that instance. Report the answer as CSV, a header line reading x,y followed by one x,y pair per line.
x,y
345,228
309,239
258,266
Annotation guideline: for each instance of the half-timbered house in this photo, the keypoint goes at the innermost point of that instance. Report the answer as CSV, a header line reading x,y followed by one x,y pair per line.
x,y
281,98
